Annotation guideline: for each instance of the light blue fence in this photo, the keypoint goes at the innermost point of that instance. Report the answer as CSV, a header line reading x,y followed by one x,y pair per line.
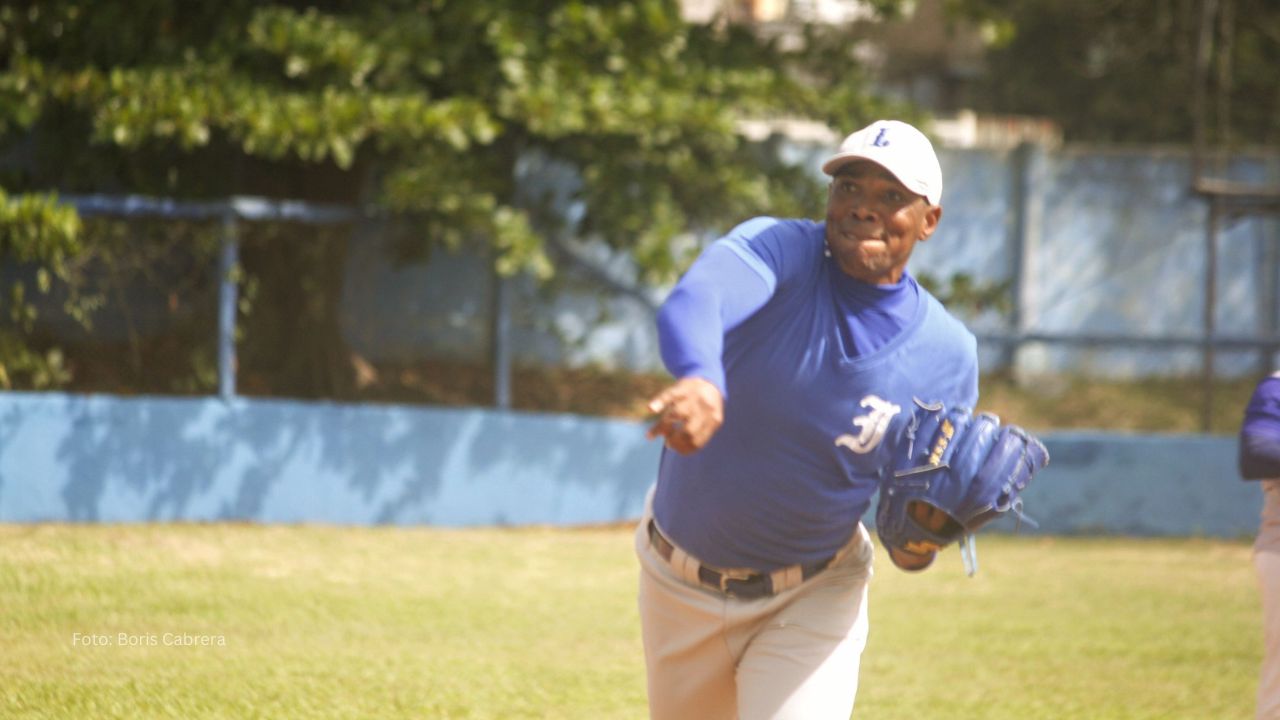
x,y
110,459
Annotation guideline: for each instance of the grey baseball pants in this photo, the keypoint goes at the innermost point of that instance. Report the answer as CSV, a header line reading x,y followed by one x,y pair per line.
x,y
794,655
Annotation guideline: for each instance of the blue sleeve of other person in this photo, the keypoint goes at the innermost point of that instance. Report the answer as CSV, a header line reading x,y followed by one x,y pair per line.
x,y
1260,433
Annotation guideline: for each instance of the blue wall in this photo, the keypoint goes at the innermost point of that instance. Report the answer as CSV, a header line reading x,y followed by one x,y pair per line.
x,y
109,459
99,458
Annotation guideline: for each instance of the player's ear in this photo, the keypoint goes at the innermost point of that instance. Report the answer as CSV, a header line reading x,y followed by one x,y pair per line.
x,y
932,216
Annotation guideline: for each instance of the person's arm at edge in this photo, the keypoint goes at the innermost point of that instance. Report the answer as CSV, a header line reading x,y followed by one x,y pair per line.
x,y
1260,451
1259,457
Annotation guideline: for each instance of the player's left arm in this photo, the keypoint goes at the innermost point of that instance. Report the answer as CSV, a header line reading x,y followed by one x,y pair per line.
x,y
952,471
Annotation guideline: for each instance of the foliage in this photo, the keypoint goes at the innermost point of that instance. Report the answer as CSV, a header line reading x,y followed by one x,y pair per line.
x,y
435,100
36,230
423,108
961,291
1125,72
24,366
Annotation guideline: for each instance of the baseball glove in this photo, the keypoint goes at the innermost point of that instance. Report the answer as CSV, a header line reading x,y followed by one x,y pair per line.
x,y
952,473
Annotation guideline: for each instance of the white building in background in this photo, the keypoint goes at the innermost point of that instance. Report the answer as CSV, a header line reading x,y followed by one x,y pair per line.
x,y
923,57
700,11
967,129
773,11
834,12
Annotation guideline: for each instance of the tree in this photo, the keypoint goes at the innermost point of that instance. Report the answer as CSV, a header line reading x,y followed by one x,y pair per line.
x,y
421,108
1126,71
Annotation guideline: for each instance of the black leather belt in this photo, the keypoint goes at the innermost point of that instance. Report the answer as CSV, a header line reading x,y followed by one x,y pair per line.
x,y
750,586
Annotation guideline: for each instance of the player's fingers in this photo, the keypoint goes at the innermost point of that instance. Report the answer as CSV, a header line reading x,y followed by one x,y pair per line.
x,y
679,432
686,414
668,401
694,436
659,407
657,403
684,441
667,424
679,445
670,408
670,427
702,423
653,432
662,427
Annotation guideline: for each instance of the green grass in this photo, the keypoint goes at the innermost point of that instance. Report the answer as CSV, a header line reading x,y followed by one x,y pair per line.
x,y
323,622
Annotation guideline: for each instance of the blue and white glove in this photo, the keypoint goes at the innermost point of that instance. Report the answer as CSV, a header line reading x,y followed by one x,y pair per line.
x,y
952,473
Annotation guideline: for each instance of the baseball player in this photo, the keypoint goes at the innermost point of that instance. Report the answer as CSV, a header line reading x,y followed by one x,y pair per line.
x,y
797,348
1260,460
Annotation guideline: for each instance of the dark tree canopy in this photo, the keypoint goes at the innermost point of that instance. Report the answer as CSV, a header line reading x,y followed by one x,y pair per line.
x,y
1127,71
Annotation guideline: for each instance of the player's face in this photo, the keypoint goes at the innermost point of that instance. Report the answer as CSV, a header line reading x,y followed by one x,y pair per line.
x,y
874,222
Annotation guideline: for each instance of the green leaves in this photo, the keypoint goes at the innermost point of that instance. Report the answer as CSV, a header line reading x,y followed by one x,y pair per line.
x,y
314,45
20,366
187,104
429,110
427,106
962,292
37,228
517,247
1125,72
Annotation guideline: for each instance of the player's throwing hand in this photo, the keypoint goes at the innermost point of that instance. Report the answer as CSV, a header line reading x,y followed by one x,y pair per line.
x,y
686,414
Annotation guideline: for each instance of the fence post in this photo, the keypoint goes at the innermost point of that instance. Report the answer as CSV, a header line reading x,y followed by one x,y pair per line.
x,y
227,301
1026,210
1268,295
1210,309
500,340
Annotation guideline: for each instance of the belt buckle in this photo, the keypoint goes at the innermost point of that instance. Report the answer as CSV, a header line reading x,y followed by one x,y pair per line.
x,y
738,575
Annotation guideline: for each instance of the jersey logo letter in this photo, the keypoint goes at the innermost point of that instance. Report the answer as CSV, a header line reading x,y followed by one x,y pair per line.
x,y
871,427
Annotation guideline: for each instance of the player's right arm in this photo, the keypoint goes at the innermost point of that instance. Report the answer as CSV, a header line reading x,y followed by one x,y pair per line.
x,y
1260,433
725,286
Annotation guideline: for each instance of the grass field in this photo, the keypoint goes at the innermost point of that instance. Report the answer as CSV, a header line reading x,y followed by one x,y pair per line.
x,y
236,621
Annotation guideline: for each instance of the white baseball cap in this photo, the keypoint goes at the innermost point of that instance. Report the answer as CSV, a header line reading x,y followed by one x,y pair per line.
x,y
897,147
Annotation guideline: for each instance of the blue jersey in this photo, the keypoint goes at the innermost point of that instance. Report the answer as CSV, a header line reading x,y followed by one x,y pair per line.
x,y
1260,432
817,369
